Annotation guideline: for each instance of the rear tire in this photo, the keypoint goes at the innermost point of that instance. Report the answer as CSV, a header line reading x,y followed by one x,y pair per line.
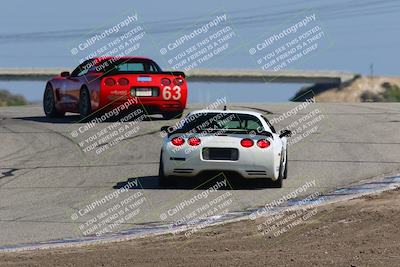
x,y
286,166
172,115
161,174
165,181
49,103
85,107
278,182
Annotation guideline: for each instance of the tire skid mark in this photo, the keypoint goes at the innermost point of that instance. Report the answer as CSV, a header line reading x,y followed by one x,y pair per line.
x,y
357,142
372,108
16,177
8,173
31,154
28,143
47,130
344,161
87,166
133,137
34,138
9,130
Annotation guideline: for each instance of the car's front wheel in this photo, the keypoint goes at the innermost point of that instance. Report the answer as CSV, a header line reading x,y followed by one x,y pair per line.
x,y
49,104
85,107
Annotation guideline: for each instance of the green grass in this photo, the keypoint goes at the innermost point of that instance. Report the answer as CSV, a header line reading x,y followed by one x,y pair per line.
x,y
391,93
9,99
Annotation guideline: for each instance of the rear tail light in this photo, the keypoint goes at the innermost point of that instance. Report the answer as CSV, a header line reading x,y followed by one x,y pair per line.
x,y
177,141
165,81
123,81
109,82
194,141
247,142
262,143
178,81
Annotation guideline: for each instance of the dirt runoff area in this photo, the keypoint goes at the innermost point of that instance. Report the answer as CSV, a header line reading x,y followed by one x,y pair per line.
x,y
360,232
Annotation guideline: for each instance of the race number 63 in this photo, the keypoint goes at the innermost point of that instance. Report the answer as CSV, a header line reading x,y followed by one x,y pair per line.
x,y
174,93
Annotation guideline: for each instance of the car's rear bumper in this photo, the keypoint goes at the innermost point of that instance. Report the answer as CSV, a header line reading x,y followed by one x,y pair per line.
x,y
250,164
245,171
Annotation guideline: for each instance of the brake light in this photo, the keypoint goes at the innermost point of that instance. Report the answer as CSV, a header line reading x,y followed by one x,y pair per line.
x,y
262,143
123,81
178,81
247,142
194,141
177,141
165,81
109,82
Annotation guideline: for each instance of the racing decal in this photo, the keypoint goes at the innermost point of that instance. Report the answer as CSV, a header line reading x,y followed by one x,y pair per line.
x,y
117,92
174,93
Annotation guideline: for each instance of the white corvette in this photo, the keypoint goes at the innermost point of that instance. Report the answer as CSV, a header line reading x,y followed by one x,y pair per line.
x,y
242,142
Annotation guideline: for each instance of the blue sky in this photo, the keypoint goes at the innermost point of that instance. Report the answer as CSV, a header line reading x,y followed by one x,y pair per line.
x,y
357,34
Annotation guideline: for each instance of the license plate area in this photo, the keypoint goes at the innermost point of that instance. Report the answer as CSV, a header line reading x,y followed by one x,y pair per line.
x,y
219,153
144,91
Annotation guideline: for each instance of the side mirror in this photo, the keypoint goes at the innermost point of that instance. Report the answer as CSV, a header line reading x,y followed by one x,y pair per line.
x,y
65,74
285,133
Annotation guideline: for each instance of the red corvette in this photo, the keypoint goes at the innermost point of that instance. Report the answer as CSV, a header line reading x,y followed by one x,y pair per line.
x,y
101,84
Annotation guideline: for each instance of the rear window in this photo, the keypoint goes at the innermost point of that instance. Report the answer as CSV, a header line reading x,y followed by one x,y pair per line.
x,y
129,66
217,121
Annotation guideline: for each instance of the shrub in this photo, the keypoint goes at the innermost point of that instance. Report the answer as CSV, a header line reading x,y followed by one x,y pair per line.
x,y
8,99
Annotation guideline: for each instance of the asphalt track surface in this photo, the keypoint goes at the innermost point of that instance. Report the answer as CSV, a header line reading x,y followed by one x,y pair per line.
x,y
46,178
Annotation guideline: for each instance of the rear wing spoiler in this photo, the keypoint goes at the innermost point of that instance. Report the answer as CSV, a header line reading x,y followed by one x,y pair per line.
x,y
230,131
174,73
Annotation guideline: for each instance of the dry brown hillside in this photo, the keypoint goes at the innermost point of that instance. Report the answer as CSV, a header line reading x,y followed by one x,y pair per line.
x,y
359,90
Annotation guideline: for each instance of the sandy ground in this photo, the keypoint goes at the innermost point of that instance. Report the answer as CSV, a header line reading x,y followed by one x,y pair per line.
x,y
360,232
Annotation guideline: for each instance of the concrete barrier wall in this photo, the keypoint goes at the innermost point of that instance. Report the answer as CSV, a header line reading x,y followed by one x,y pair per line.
x,y
206,75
